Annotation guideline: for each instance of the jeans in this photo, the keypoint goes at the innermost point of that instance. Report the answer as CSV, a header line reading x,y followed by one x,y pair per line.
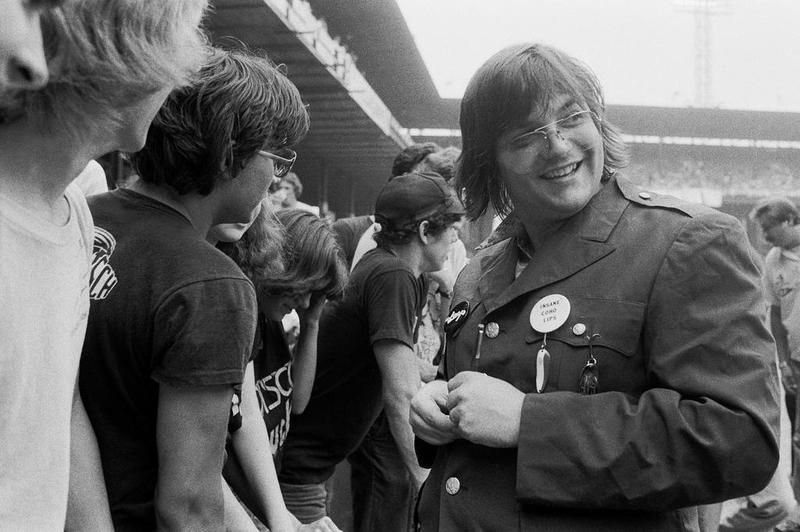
x,y
308,502
382,489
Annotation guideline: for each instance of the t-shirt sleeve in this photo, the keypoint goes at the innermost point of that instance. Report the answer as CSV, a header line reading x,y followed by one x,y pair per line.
x,y
391,299
203,333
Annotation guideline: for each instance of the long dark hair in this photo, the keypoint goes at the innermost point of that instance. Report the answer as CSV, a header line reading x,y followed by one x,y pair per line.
x,y
501,95
313,260
259,252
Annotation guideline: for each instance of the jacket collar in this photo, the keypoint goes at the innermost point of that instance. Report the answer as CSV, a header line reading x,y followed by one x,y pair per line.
x,y
580,242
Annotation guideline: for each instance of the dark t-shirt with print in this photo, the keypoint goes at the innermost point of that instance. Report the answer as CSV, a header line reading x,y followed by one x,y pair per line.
x,y
382,301
167,308
272,369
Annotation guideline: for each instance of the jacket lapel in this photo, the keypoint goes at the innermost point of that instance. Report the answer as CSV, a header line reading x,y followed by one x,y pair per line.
x,y
498,269
581,242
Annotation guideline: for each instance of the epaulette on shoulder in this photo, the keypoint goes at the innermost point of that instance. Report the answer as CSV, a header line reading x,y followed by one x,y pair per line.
x,y
649,198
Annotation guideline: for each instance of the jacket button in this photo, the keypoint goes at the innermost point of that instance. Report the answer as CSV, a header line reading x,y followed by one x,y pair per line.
x,y
578,329
645,195
492,329
452,486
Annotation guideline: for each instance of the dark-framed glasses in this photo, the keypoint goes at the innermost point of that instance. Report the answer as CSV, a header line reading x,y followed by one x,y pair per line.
x,y
282,161
538,140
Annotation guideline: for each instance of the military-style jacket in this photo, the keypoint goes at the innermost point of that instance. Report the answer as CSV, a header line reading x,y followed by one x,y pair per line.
x,y
685,410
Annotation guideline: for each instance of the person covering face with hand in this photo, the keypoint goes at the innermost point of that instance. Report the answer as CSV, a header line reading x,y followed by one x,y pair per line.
x,y
278,380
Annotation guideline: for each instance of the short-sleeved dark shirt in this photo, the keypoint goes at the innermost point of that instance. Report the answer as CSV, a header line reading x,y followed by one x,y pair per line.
x,y
272,369
166,308
382,301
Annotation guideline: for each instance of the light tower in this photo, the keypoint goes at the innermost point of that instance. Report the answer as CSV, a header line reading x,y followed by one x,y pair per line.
x,y
702,11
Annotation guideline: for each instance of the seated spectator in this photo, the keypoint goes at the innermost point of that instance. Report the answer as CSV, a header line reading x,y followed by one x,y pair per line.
x,y
96,102
171,328
278,380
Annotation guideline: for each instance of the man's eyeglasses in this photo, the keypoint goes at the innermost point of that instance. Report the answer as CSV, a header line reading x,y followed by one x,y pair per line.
x,y
538,140
283,162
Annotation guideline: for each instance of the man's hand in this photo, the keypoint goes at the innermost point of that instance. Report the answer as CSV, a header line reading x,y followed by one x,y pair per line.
x,y
314,310
444,278
485,410
429,417
427,371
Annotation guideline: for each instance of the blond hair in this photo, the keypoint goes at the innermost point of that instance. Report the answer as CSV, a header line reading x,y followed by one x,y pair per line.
x,y
106,54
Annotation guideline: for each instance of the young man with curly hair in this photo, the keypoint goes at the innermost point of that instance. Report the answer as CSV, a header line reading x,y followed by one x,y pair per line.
x,y
173,318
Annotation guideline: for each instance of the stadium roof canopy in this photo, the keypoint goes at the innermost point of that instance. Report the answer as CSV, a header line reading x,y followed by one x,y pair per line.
x,y
366,85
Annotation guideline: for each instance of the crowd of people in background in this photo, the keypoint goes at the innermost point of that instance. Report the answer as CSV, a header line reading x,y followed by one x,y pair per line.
x,y
731,177
197,349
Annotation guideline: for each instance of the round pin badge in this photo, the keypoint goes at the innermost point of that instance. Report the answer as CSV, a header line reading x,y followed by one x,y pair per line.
x,y
492,329
550,313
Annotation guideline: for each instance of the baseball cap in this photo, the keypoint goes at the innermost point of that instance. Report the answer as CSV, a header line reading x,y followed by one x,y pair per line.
x,y
414,196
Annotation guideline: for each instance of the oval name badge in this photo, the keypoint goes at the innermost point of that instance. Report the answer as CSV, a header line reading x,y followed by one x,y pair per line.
x,y
550,313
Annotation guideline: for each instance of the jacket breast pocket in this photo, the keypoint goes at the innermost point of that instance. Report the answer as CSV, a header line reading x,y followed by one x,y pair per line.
x,y
603,333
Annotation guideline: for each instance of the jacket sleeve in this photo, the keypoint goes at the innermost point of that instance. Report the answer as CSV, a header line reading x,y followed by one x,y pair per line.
x,y
705,429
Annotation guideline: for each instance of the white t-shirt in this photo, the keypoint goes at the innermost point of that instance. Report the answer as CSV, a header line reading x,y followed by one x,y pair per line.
x,y
44,304
92,180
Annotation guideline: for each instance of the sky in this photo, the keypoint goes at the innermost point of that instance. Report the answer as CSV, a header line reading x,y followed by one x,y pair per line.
x,y
643,51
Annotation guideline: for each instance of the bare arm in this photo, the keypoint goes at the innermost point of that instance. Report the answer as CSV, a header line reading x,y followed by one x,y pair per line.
x,y
190,436
398,366
87,506
236,518
304,363
252,448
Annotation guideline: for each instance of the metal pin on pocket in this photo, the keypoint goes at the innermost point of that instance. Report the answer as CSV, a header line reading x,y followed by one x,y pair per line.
x,y
542,366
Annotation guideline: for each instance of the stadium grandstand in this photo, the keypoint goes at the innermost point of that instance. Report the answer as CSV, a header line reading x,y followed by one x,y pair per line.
x,y
369,95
